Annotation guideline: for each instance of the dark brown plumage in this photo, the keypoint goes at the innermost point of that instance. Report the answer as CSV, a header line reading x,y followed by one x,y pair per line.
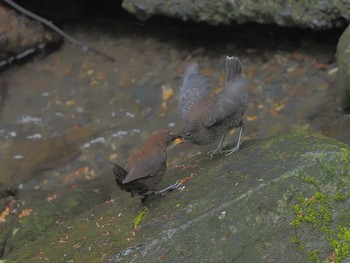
x,y
206,116
146,167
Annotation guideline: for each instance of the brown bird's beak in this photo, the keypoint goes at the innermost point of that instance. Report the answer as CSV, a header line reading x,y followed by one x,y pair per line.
x,y
177,141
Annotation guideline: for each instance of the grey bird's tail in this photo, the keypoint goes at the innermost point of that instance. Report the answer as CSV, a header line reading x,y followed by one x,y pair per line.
x,y
233,68
234,97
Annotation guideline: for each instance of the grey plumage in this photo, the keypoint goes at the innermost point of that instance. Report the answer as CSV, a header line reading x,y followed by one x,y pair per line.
x,y
194,87
209,117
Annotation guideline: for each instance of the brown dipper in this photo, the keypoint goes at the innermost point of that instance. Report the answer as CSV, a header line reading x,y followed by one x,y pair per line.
x,y
208,117
146,166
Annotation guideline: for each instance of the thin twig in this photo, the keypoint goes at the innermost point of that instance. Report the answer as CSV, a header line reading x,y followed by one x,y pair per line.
x,y
46,22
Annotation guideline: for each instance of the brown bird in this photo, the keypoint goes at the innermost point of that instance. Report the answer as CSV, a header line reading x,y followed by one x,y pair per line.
x,y
146,167
209,117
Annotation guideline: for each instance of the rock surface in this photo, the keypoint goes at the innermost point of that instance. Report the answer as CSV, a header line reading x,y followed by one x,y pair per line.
x,y
343,54
305,14
284,199
44,209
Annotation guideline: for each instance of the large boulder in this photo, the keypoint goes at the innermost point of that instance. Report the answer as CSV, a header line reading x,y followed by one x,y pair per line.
x,y
284,199
343,60
305,14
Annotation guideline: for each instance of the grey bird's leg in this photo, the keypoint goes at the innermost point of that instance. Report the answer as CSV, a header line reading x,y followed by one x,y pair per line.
x,y
160,192
236,148
219,149
169,188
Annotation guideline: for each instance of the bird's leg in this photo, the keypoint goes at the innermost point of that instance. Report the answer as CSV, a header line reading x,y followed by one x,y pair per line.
x,y
169,188
160,192
236,148
219,149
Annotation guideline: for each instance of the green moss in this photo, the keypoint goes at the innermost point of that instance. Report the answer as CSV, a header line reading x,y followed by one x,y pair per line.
x,y
298,211
296,223
310,180
339,196
296,240
340,242
316,211
344,233
344,155
313,256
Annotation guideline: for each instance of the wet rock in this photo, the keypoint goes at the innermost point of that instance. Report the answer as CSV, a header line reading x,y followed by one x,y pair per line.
x,y
343,54
32,212
319,14
284,199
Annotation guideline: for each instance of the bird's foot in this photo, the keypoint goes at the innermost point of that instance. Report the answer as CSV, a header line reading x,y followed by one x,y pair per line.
x,y
213,152
162,192
231,151
169,188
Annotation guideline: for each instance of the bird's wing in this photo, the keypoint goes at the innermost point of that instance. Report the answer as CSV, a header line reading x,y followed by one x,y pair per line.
x,y
194,87
232,98
147,165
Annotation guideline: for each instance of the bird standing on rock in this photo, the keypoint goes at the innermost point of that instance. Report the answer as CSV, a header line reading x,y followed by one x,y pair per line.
x,y
146,167
208,117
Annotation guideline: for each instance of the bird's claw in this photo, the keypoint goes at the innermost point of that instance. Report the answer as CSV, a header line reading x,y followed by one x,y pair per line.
x,y
162,192
175,185
170,187
233,150
213,152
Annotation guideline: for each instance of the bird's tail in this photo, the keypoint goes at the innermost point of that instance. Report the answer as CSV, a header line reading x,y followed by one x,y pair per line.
x,y
233,68
119,173
234,97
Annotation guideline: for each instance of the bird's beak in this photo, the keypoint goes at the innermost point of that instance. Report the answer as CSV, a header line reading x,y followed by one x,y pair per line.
x,y
177,141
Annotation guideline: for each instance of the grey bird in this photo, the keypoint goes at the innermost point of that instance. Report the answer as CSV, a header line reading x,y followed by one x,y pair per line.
x,y
208,117
146,166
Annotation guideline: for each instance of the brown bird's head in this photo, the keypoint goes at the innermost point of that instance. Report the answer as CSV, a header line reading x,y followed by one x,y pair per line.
x,y
163,138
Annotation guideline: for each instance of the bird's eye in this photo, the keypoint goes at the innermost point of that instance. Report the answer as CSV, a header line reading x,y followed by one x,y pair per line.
x,y
188,134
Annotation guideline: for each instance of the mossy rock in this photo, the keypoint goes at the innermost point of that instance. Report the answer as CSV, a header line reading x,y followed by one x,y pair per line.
x,y
44,215
284,199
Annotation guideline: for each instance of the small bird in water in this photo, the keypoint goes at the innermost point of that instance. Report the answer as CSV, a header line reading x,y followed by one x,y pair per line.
x,y
146,167
208,117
